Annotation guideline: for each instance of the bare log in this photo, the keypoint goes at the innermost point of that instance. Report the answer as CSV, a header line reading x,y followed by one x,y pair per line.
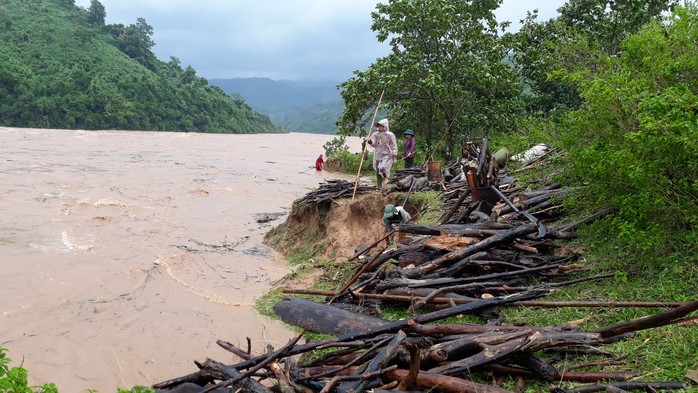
x,y
651,321
382,360
456,206
323,318
480,230
585,377
234,378
527,303
530,343
646,386
462,253
443,383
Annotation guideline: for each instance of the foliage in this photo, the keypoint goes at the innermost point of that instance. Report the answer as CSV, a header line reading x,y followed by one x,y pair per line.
x,y
430,203
97,13
340,159
635,141
336,146
572,42
14,379
137,389
61,68
445,76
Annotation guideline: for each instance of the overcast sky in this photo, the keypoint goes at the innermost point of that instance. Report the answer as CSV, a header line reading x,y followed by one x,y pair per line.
x,y
277,39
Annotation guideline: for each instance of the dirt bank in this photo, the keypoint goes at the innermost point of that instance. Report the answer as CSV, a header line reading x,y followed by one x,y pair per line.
x,y
333,231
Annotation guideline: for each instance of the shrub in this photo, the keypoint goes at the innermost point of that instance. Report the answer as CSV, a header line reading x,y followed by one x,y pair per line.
x,y
14,380
634,142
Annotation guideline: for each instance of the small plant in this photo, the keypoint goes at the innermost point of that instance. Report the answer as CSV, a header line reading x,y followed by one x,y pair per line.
x,y
137,389
14,380
336,146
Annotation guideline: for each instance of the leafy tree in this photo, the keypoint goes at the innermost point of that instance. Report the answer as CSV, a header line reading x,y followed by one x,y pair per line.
x,y
608,22
445,75
97,13
635,140
136,41
573,41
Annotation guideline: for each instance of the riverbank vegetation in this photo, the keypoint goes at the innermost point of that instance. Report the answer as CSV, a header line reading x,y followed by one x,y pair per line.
x,y
61,66
661,354
615,94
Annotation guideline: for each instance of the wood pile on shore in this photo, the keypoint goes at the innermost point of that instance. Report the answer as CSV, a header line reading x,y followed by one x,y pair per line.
x,y
496,246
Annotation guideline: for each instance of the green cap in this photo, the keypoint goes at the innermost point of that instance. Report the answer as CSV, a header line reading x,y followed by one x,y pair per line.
x,y
390,210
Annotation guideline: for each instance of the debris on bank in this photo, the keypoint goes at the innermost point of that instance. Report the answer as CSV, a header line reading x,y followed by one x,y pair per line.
x,y
496,245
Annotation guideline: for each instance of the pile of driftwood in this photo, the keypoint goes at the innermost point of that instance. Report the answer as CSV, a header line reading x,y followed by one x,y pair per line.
x,y
494,248
408,355
335,189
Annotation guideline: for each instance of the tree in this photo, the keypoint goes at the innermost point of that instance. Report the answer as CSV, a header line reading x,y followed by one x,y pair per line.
x,y
97,13
635,141
135,41
445,75
572,42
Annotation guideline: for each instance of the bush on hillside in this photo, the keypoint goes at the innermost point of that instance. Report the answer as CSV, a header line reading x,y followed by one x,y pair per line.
x,y
635,141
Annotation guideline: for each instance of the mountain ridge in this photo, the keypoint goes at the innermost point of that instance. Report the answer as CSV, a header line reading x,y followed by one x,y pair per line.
x,y
298,106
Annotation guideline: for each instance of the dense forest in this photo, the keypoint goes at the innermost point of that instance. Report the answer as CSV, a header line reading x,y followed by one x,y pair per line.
x,y
61,66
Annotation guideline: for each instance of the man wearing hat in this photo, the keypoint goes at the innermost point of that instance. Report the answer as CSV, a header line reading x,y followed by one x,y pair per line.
x,y
384,151
410,148
394,215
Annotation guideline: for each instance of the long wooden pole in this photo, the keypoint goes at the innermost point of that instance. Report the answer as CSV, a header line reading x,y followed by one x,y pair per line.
x,y
370,129
529,303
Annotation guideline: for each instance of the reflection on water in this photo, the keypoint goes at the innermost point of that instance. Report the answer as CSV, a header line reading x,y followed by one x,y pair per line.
x,y
126,255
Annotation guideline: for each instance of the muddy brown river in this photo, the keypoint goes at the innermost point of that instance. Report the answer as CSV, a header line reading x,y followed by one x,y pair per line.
x,y
125,254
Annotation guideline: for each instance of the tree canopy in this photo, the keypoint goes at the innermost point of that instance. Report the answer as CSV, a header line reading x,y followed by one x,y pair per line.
x,y
445,74
573,41
634,142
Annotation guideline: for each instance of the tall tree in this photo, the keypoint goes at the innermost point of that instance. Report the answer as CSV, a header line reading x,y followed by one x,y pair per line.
x,y
445,75
97,13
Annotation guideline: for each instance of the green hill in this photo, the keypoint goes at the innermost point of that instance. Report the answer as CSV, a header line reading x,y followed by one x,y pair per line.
x,y
62,67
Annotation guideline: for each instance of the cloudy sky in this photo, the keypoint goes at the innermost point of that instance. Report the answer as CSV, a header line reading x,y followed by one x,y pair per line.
x,y
277,39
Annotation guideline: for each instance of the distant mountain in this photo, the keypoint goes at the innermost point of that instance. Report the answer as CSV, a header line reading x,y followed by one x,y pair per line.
x,y
301,106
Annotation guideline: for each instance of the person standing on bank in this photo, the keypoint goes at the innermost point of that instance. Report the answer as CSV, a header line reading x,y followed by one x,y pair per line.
x,y
410,148
384,151
318,163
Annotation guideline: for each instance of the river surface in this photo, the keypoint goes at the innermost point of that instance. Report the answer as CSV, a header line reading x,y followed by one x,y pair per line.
x,y
125,254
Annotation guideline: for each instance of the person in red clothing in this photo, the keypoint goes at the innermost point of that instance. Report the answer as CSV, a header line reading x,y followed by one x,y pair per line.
x,y
318,163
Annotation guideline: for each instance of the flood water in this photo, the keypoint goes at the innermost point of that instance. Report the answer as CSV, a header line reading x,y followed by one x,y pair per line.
x,y
125,255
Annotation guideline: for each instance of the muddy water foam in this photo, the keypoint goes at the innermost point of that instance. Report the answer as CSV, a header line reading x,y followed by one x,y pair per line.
x,y
127,254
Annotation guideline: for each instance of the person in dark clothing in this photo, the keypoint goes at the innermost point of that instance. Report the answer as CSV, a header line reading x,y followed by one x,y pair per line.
x,y
410,148
318,163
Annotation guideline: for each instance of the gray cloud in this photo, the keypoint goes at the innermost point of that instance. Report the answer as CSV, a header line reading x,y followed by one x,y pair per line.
x,y
298,39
